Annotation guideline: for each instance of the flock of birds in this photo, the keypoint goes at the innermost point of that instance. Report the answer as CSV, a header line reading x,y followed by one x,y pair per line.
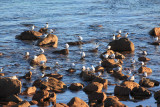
x,y
92,68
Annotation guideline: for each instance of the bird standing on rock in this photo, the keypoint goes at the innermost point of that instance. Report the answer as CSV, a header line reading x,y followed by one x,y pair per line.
x,y
126,36
108,47
32,27
83,68
67,45
131,78
114,37
47,25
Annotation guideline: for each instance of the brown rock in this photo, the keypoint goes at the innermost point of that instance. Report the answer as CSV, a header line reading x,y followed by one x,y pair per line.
x,y
13,98
29,35
43,30
109,63
98,97
8,104
52,98
87,76
28,75
1,74
102,81
60,105
37,61
143,59
43,67
57,76
119,55
93,87
130,84
120,75
9,87
155,31
99,69
75,43
121,91
146,82
22,104
40,96
112,102
76,86
63,51
30,90
77,102
50,40
143,69
33,102
52,84
123,44
140,91
157,96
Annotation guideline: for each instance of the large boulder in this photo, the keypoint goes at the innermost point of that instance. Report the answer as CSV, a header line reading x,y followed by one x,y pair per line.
x,y
87,76
130,84
97,97
40,96
102,81
57,76
37,61
52,84
155,31
29,35
143,69
121,91
9,87
121,45
30,90
77,102
93,87
50,40
140,92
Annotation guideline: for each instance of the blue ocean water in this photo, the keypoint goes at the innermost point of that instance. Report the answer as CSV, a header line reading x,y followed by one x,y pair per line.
x,y
76,17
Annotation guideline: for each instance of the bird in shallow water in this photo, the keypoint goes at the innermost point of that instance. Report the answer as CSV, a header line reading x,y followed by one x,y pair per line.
x,y
114,37
82,55
92,69
46,25
144,53
26,54
133,61
80,38
67,45
1,69
32,27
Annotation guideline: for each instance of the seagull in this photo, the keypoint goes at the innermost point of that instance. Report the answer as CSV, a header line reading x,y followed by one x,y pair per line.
x,y
51,31
83,55
44,36
73,65
117,69
80,38
144,53
156,39
27,54
106,56
83,68
114,37
119,33
42,50
99,63
46,25
67,45
35,57
92,68
131,78
13,77
142,63
126,35
30,68
145,74
88,69
108,47
133,61
32,27
1,69
42,75
128,71
96,45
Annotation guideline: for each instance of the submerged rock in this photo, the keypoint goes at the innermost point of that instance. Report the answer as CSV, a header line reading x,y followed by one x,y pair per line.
x,y
77,102
76,86
29,35
50,40
123,44
63,51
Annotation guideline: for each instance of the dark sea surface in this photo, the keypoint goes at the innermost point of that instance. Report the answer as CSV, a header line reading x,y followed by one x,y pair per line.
x,y
70,19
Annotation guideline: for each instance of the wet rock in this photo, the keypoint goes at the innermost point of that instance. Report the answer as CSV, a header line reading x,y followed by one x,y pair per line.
x,y
113,102
13,98
29,35
37,61
102,81
63,51
52,84
76,86
120,75
139,106
41,95
43,30
123,44
155,43
28,75
121,91
86,76
109,63
71,70
130,84
143,59
143,69
43,67
57,76
93,87
60,105
8,104
2,74
155,31
157,96
52,98
22,104
9,87
77,102
30,90
119,55
50,40
33,102
75,43
98,97
140,91
99,69
146,82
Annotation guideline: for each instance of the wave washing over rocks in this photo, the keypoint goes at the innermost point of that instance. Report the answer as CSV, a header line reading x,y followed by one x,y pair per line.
x,y
84,65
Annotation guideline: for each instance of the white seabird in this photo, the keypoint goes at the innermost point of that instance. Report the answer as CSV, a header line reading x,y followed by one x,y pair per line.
x,y
114,37
47,25
80,38
83,68
33,27
126,35
67,45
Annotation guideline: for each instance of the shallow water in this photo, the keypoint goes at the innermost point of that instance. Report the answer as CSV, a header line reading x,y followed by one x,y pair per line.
x,y
78,17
